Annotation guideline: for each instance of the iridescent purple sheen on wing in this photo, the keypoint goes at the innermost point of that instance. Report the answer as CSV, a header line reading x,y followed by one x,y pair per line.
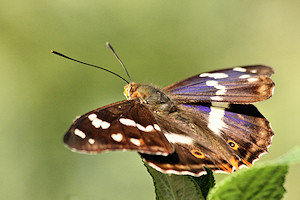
x,y
238,85
241,123
243,116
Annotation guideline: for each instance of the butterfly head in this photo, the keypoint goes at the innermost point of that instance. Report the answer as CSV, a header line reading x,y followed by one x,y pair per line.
x,y
130,89
145,93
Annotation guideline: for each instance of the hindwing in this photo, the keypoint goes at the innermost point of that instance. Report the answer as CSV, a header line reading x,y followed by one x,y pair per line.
x,y
215,137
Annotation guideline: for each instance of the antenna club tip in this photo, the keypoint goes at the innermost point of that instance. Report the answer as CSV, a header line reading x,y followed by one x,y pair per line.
x,y
52,51
108,44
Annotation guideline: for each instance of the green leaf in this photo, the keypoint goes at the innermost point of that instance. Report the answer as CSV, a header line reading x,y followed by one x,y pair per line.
x,y
259,182
205,182
256,183
170,187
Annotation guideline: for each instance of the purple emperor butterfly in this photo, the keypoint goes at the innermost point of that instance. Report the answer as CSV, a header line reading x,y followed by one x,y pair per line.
x,y
203,121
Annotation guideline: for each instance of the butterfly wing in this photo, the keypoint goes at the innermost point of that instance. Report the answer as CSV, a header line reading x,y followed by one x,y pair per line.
x,y
219,138
206,127
125,125
236,85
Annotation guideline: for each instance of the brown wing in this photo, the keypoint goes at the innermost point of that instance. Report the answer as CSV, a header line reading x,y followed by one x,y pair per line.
x,y
125,125
218,138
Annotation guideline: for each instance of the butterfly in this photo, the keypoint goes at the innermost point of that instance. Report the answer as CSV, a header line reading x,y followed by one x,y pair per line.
x,y
205,121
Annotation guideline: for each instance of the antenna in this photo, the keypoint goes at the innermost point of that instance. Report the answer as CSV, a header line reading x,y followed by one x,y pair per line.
x,y
67,57
115,54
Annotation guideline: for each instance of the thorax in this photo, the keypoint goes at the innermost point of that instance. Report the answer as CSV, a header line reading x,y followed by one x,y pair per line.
x,y
154,98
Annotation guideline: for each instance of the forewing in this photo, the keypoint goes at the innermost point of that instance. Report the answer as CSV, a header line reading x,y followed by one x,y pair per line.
x,y
238,85
226,139
125,125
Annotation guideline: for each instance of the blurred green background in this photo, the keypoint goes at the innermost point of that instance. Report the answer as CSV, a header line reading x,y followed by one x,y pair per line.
x,y
160,42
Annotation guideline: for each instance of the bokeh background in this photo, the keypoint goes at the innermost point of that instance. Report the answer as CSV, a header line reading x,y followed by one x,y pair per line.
x,y
160,42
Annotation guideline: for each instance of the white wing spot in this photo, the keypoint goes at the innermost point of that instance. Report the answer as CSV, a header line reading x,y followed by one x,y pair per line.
x,y
92,116
149,128
135,141
221,89
97,122
204,75
118,137
211,83
156,127
239,69
140,127
127,122
215,122
214,75
105,125
79,133
245,76
177,138
216,98
253,71
221,92
91,141
252,79
218,75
